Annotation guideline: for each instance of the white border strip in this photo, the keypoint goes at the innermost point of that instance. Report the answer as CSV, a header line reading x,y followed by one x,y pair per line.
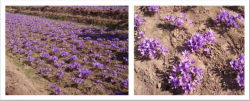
x,y
131,51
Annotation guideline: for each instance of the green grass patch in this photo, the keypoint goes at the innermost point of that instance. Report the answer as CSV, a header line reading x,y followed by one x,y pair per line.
x,y
28,71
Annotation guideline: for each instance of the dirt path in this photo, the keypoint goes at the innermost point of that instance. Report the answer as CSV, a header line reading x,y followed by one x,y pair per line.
x,y
17,83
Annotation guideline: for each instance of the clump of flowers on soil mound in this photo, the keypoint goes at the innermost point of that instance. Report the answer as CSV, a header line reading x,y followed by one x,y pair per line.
x,y
138,20
239,65
153,8
140,35
177,21
56,90
151,46
186,75
230,20
200,40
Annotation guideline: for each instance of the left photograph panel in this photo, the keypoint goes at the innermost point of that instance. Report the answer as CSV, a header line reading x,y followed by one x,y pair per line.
x,y
66,50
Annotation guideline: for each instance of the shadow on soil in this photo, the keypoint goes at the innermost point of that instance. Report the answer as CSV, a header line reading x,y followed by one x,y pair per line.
x,y
166,86
146,12
167,26
236,9
187,8
229,77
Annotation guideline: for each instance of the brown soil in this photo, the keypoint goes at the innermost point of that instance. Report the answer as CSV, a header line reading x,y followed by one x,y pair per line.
x,y
17,82
152,75
109,18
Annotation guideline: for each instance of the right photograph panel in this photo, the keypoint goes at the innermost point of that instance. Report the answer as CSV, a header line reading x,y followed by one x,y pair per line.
x,y
189,50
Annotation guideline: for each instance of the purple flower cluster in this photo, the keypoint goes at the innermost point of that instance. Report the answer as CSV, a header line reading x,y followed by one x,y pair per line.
x,y
74,58
124,82
153,8
84,72
53,58
190,22
140,35
60,73
230,20
64,54
29,52
115,74
44,55
185,74
55,50
207,50
56,90
44,71
40,62
99,66
200,40
138,20
74,65
104,73
78,81
99,83
150,46
30,59
239,65
60,64
177,21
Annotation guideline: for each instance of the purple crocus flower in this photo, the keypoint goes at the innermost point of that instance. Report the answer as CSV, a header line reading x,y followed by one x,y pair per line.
x,y
73,78
44,55
74,65
64,54
90,85
140,35
207,50
183,16
75,51
30,58
241,82
84,72
183,81
191,86
153,8
176,68
185,53
79,81
60,73
58,91
40,62
241,79
186,88
29,52
190,22
73,58
98,81
115,74
52,86
167,18
188,76
232,64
